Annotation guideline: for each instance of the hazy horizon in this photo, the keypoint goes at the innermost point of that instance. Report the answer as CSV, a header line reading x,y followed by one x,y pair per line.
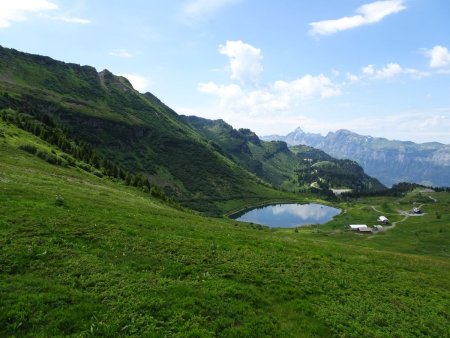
x,y
335,131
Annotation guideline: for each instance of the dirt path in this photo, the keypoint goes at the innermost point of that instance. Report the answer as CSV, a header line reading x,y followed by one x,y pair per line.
x,y
394,224
433,199
406,214
381,212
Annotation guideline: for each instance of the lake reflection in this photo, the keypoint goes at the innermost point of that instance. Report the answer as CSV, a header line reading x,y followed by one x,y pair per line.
x,y
289,215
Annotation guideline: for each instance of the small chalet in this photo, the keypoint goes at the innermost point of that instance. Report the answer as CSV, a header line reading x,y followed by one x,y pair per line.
x,y
355,227
383,220
365,230
417,211
360,228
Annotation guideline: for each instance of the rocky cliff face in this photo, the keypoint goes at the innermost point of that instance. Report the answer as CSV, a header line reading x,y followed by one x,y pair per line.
x,y
389,161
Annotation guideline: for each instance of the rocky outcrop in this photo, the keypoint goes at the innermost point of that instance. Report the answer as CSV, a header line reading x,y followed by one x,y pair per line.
x,y
108,79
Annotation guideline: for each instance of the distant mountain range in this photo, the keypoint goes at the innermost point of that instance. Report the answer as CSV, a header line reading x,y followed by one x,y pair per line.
x,y
388,160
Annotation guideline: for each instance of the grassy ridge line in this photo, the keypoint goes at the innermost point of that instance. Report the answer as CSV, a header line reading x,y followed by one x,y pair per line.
x,y
111,262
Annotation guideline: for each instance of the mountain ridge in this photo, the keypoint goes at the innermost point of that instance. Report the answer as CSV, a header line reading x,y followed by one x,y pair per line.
x,y
391,161
136,131
288,168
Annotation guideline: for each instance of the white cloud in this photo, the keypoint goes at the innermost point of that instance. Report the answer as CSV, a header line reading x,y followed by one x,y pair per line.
x,y
234,100
390,70
17,10
281,97
439,57
368,70
417,126
121,53
69,19
139,82
245,61
335,72
263,100
367,14
196,9
263,123
287,101
308,86
352,77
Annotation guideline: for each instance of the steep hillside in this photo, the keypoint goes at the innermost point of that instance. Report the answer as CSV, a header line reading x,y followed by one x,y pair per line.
x,y
389,161
274,162
82,255
271,161
318,167
135,131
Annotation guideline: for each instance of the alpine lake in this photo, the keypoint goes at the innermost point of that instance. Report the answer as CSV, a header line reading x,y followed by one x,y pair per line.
x,y
288,215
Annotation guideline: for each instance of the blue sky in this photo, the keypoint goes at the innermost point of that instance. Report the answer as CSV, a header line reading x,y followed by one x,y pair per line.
x,y
379,68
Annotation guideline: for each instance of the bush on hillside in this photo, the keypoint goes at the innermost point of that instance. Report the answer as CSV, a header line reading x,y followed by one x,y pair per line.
x,y
59,201
29,148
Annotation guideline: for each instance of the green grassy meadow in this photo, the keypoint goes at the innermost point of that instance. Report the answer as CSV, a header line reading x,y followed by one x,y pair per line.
x,y
427,234
87,256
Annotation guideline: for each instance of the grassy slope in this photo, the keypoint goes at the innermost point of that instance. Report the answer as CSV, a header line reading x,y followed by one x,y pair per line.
x,y
112,262
425,235
278,164
337,173
271,161
136,131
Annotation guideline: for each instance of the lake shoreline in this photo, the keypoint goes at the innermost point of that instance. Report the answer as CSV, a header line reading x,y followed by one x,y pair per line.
x,y
288,215
263,204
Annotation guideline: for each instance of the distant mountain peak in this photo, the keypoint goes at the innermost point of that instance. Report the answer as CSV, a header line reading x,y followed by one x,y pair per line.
x,y
391,161
345,132
298,136
152,98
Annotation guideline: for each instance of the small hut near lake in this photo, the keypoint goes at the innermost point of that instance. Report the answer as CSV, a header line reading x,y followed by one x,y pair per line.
x,y
359,228
365,230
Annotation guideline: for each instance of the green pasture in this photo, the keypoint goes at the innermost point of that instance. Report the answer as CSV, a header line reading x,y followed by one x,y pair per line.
x,y
87,256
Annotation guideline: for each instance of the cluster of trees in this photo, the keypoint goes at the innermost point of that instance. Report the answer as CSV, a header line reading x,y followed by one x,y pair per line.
x,y
324,192
44,127
397,190
320,176
441,189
